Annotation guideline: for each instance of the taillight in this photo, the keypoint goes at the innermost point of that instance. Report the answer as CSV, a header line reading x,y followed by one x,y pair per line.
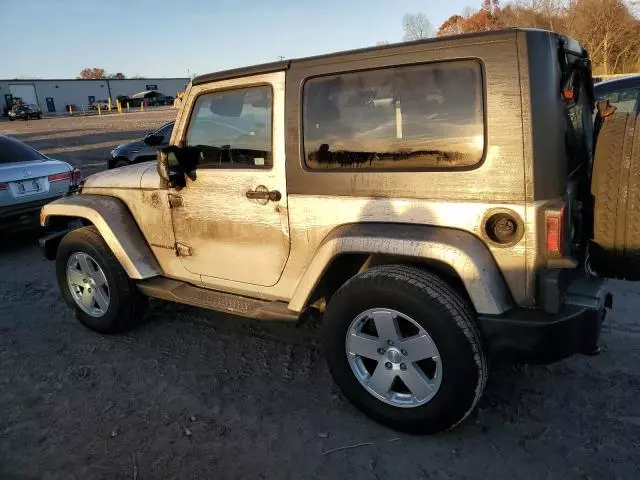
x,y
555,230
4,186
57,177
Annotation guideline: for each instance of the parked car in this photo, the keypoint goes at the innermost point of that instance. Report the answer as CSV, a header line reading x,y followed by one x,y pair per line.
x,y
623,93
24,112
429,199
104,104
29,180
141,150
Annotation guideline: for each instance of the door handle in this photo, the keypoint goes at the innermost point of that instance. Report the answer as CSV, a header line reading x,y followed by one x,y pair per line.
x,y
262,193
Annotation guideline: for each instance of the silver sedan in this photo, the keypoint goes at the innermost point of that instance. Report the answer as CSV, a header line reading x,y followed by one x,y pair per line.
x,y
29,180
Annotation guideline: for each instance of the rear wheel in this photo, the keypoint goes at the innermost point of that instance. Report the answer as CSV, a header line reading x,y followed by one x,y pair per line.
x,y
95,285
615,185
404,348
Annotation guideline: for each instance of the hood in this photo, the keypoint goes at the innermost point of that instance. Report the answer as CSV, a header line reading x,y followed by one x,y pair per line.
x,y
123,177
14,171
135,145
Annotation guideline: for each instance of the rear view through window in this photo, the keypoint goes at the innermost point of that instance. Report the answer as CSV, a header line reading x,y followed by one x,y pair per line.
x,y
12,150
410,117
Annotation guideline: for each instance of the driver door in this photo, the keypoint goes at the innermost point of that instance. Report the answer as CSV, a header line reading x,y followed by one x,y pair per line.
x,y
231,222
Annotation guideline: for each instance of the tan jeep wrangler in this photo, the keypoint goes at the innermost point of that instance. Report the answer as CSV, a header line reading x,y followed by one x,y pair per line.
x,y
432,199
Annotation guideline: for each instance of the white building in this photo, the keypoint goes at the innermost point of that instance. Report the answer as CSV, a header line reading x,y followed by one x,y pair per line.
x,y
54,96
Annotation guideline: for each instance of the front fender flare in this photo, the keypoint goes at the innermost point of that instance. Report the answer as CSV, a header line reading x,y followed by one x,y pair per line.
x,y
466,254
116,226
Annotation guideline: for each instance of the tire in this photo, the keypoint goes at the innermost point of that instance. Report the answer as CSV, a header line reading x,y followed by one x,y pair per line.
x,y
126,305
11,119
121,162
615,186
437,310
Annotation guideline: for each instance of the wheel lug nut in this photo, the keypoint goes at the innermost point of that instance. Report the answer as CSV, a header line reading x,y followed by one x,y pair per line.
x,y
403,366
388,365
381,351
89,290
389,342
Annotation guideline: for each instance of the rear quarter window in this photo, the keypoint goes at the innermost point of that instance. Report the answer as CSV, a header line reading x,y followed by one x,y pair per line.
x,y
401,118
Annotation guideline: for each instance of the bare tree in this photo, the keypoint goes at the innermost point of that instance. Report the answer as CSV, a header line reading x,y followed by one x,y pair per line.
x,y
608,30
545,14
416,26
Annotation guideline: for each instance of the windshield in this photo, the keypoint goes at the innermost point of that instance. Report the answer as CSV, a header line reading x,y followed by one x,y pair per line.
x,y
11,151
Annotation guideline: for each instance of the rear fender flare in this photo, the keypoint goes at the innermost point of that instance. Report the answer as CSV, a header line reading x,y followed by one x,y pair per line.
x,y
116,226
465,253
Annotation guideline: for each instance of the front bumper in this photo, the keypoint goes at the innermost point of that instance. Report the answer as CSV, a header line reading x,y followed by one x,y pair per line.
x,y
536,336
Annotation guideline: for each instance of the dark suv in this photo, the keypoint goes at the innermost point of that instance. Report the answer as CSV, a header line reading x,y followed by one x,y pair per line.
x,y
141,150
623,93
25,112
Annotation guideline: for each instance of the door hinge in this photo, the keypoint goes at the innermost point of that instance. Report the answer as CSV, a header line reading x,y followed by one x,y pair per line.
x,y
183,250
175,200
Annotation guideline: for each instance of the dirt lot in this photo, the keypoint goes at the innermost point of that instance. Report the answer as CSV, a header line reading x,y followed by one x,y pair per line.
x,y
195,394
85,142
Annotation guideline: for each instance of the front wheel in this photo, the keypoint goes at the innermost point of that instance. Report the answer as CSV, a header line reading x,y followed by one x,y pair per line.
x,y
95,285
403,347
121,162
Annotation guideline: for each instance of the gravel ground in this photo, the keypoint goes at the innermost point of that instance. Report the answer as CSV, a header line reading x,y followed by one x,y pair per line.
x,y
85,142
197,394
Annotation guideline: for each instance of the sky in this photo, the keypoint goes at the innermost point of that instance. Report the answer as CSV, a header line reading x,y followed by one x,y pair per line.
x,y
179,38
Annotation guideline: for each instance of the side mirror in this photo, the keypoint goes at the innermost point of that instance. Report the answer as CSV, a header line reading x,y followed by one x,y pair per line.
x,y
169,169
153,140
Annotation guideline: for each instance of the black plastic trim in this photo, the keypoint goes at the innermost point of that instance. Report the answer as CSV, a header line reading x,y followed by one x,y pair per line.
x,y
49,243
242,72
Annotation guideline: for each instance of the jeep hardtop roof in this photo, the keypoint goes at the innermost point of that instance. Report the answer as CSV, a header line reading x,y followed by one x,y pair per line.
x,y
570,45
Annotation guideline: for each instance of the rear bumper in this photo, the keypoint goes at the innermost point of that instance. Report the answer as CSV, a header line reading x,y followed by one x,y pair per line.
x,y
535,336
23,216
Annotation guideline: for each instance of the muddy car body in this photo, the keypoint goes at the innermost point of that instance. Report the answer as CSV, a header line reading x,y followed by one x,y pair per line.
x,y
432,196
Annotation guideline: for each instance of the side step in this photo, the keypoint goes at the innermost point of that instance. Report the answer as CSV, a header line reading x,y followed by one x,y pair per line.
x,y
181,292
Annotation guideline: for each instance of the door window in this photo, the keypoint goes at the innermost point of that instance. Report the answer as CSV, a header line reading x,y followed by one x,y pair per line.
x,y
232,128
